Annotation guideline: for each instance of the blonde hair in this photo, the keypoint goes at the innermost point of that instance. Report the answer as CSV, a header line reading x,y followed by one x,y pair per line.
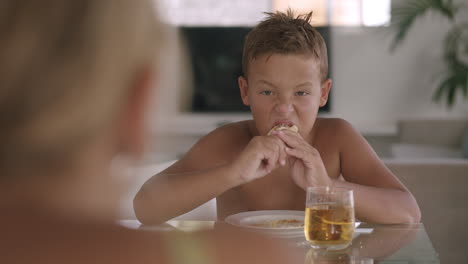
x,y
65,70
285,33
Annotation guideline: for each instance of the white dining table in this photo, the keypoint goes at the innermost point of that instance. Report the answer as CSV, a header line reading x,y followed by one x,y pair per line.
x,y
404,243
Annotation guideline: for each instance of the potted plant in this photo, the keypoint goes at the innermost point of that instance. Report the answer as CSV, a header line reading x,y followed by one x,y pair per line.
x,y
455,54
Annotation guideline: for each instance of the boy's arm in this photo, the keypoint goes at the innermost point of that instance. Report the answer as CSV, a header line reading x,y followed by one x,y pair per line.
x,y
167,195
215,164
202,174
379,196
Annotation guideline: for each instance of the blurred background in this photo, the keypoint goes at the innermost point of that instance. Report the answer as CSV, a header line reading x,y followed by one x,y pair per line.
x,y
375,86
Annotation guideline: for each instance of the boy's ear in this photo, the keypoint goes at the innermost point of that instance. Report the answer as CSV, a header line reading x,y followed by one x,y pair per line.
x,y
132,124
325,91
243,86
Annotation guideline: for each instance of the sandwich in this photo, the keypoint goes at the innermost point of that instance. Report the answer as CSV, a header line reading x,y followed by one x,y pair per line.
x,y
279,127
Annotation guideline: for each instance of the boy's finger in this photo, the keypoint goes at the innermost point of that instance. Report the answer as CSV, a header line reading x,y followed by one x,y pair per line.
x,y
281,152
278,150
300,154
295,153
291,160
283,156
271,164
292,141
273,156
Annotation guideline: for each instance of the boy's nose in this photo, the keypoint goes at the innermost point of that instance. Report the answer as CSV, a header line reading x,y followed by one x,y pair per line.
x,y
284,107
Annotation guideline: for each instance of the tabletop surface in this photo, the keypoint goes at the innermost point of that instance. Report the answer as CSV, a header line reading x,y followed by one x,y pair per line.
x,y
396,244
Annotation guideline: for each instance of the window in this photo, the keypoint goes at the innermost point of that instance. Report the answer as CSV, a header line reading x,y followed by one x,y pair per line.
x,y
341,12
249,13
214,12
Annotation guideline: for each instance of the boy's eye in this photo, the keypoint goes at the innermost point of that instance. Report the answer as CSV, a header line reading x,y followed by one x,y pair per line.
x,y
301,93
266,92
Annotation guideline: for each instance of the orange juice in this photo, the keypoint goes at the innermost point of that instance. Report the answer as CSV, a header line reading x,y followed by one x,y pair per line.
x,y
329,224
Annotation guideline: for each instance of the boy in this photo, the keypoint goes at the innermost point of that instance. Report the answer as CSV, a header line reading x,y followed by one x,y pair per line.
x,y
285,82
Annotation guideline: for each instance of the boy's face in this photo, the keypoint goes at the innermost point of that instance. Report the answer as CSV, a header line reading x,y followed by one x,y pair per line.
x,y
284,89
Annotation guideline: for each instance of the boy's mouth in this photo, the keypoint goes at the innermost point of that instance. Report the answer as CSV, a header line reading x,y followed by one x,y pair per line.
x,y
283,124
287,123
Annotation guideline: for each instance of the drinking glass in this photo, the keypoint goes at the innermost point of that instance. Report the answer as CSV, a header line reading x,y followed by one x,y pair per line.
x,y
329,217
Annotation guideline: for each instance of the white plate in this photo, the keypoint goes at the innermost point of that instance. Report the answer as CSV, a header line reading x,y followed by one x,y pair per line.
x,y
259,221
253,220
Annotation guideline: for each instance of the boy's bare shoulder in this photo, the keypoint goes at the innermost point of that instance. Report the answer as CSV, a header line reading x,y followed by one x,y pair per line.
x,y
333,127
231,136
217,147
232,131
336,133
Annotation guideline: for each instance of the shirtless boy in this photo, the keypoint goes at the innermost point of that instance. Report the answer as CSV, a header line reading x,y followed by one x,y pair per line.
x,y
285,82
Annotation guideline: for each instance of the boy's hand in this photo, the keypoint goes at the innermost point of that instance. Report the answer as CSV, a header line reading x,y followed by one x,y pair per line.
x,y
261,156
307,168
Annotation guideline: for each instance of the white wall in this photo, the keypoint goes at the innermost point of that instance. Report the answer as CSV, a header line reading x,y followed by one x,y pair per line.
x,y
374,87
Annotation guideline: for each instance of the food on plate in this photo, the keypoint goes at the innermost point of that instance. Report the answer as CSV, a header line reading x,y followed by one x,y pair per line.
x,y
281,223
279,127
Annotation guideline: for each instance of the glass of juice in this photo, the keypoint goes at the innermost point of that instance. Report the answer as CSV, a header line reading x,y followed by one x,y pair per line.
x,y
329,217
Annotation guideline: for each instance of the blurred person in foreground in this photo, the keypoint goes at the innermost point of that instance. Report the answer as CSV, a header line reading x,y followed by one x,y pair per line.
x,y
75,83
268,162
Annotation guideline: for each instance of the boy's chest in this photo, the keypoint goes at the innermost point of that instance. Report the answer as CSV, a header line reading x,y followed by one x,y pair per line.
x,y
277,191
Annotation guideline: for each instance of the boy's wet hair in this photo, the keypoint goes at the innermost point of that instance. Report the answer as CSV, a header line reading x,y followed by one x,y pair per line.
x,y
285,33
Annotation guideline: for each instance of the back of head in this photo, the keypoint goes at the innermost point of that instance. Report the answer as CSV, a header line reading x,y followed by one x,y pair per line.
x,y
285,33
65,71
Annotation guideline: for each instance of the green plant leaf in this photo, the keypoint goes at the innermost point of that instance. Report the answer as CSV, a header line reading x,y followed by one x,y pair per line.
x,y
455,43
452,89
465,88
404,14
442,87
456,80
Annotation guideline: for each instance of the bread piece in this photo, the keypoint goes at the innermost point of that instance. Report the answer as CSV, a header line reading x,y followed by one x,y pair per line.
x,y
279,127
